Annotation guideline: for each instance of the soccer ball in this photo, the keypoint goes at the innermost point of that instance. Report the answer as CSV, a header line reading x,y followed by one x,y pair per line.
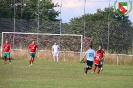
x,y
101,69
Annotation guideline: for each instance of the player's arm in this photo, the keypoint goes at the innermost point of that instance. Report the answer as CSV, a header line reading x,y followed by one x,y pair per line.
x,y
36,48
94,53
2,49
29,48
83,57
103,55
9,48
52,50
58,48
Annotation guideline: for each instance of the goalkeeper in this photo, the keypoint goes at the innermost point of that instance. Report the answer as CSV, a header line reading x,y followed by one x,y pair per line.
x,y
55,51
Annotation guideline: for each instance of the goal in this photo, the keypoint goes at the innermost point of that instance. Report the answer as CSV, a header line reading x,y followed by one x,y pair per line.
x,y
70,45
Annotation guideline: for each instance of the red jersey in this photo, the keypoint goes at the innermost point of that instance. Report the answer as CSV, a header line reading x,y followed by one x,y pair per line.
x,y
6,47
102,52
32,47
98,58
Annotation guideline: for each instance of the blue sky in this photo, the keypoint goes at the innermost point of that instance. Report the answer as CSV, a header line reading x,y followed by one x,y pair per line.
x,y
75,8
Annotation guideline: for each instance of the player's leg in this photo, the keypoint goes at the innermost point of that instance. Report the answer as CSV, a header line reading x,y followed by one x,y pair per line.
x,y
8,56
57,56
99,68
4,60
5,56
89,65
33,58
85,69
9,60
54,56
94,68
101,62
30,60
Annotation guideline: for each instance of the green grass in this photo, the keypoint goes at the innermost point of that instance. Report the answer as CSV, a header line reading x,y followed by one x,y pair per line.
x,y
48,74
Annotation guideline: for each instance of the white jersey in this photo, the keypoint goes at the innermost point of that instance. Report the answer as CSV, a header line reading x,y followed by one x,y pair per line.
x,y
56,48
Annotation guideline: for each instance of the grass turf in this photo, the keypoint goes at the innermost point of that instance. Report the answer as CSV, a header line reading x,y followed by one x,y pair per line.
x,y
48,74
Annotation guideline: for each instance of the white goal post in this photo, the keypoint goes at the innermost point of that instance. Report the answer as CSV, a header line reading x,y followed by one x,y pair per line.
x,y
67,42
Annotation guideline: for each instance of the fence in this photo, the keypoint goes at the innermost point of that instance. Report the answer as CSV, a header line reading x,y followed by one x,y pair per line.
x,y
116,59
115,37
119,59
21,25
45,55
120,33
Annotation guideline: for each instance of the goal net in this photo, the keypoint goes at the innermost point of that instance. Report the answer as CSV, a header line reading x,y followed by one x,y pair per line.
x,y
70,45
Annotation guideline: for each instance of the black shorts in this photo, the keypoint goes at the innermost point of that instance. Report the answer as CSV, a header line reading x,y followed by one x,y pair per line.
x,y
99,65
89,63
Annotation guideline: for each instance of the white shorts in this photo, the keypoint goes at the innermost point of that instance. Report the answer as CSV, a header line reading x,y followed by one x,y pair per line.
x,y
55,53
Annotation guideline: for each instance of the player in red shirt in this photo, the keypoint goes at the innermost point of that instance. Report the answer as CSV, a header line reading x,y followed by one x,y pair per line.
x,y
6,50
32,49
97,60
103,55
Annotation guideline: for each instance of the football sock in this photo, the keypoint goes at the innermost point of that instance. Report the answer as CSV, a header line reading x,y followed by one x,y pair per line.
x,y
29,61
32,60
94,68
99,69
10,60
101,65
4,60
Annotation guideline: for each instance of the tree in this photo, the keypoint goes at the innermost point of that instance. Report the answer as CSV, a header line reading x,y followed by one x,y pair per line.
x,y
28,9
26,14
6,9
96,27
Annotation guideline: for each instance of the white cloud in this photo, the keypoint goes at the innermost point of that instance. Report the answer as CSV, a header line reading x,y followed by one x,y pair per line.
x,y
72,3
75,8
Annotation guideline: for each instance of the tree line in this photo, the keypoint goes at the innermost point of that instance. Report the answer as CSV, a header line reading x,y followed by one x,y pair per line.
x,y
96,26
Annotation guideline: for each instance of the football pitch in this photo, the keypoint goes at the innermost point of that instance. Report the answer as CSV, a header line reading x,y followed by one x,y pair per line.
x,y
49,74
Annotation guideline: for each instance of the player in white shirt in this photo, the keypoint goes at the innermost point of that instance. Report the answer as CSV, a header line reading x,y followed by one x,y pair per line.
x,y
55,51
